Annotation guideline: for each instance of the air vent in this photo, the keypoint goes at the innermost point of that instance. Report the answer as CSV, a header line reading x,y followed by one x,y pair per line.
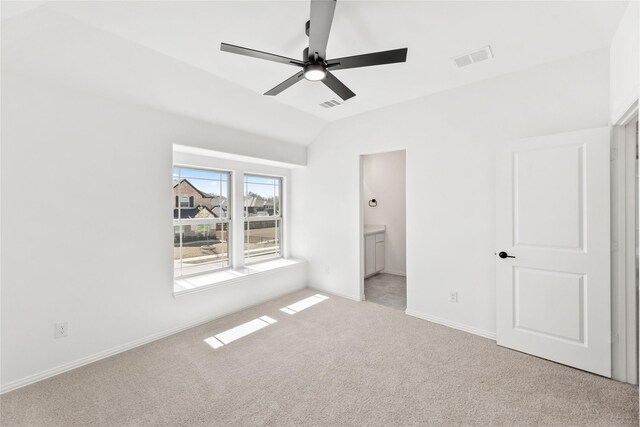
x,y
473,57
330,104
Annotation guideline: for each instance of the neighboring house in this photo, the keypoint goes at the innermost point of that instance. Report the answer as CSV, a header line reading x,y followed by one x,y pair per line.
x,y
256,205
197,212
185,195
195,232
188,200
219,206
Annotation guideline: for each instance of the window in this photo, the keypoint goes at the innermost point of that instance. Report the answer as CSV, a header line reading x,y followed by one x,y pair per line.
x,y
186,202
201,220
262,217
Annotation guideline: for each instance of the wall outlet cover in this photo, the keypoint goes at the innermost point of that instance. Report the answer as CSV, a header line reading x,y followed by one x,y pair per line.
x,y
61,330
453,296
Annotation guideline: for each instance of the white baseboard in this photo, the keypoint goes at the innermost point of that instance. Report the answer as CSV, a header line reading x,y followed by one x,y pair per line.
x,y
451,324
338,294
13,385
395,273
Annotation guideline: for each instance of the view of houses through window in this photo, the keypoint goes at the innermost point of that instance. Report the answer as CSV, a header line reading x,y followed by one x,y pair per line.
x,y
262,217
201,217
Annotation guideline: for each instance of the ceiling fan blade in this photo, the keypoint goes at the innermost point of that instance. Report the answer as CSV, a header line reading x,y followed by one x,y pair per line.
x,y
225,47
286,84
320,26
338,87
369,59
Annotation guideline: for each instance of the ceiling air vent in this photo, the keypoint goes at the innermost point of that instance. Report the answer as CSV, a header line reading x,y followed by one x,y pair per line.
x,y
330,104
473,57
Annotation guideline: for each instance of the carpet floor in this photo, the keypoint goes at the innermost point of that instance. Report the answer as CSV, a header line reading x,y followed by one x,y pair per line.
x,y
336,363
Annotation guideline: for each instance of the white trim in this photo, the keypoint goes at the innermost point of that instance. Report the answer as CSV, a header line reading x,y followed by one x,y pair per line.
x,y
395,273
337,294
48,373
618,256
239,279
623,252
631,236
452,324
631,113
205,152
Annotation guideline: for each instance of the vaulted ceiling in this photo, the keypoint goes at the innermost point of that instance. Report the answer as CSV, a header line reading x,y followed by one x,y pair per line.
x,y
166,54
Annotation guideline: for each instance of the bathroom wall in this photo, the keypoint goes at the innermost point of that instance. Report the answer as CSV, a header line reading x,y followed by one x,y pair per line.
x,y
384,179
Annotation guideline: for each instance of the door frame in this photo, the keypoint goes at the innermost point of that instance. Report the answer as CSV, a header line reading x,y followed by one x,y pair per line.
x,y
361,201
624,294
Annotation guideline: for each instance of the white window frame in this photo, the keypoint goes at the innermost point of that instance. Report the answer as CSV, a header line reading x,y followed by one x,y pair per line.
x,y
180,202
181,222
277,217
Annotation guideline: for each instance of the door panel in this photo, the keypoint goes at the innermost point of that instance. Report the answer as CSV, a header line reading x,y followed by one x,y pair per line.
x,y
549,303
559,183
553,216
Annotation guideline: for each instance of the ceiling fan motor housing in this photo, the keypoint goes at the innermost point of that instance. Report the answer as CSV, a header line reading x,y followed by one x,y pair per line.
x,y
315,72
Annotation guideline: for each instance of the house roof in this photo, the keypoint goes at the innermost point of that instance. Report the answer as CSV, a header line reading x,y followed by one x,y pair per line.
x,y
202,193
254,202
219,211
219,201
193,212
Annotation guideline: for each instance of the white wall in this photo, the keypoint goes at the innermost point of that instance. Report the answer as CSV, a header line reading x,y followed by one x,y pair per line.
x,y
383,179
87,226
625,63
45,42
450,139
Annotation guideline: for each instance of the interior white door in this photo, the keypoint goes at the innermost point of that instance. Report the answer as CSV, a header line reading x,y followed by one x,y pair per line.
x,y
553,216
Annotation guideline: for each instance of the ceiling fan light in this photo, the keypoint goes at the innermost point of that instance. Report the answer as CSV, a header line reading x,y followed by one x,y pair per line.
x,y
314,72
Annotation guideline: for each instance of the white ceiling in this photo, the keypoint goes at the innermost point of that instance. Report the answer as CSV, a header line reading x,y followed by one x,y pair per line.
x,y
521,35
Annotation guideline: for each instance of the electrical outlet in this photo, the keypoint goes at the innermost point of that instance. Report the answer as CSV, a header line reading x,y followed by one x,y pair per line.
x,y
453,296
61,330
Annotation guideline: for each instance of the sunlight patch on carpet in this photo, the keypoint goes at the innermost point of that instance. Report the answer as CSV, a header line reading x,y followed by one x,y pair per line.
x,y
303,304
240,331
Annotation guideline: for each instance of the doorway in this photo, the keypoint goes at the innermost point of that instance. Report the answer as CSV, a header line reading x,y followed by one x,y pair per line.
x,y
383,218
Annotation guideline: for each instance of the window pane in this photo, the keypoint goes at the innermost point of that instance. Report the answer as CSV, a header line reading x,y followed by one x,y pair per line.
x,y
262,196
262,239
200,194
204,247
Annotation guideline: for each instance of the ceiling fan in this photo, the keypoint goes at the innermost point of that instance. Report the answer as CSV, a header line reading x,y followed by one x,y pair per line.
x,y
315,65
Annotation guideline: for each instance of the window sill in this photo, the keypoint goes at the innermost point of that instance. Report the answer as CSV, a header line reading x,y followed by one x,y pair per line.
x,y
203,282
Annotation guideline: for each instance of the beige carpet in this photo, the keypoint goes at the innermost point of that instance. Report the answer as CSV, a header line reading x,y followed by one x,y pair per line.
x,y
336,363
